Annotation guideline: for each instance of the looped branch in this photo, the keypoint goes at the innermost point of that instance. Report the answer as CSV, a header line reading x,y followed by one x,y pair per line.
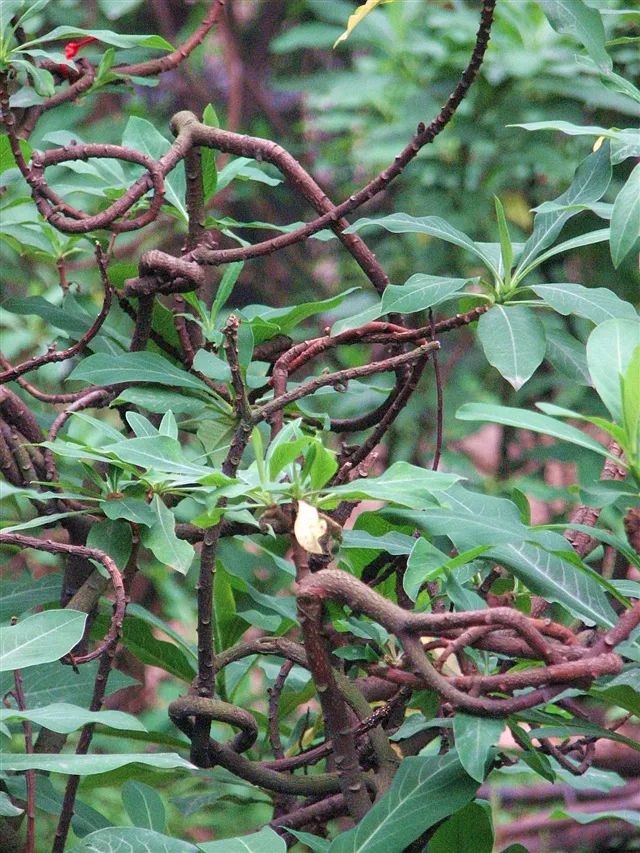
x,y
215,711
49,204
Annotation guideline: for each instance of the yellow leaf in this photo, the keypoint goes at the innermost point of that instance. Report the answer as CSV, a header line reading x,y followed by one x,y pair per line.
x,y
310,528
360,13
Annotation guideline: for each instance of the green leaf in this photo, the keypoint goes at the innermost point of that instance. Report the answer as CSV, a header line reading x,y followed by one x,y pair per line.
x,y
112,537
65,718
609,351
589,184
594,303
628,815
425,563
50,683
534,421
264,841
163,454
89,765
313,842
40,521
162,541
630,383
425,790
225,288
402,483
42,638
266,321
6,155
625,219
569,129
106,369
470,519
144,806
476,738
577,19
567,355
24,593
132,839
470,830
513,341
143,136
130,509
139,638
506,248
106,36
434,226
7,809
418,293
555,579
208,157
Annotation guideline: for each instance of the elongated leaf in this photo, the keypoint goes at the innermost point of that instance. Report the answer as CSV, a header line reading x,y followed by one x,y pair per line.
x,y
569,129
609,351
434,226
402,483
106,36
420,292
162,453
42,638
555,579
625,219
49,683
589,184
513,341
208,157
88,765
132,839
358,16
583,22
144,806
65,718
425,790
264,841
595,303
628,815
144,136
567,355
476,738
161,539
524,419
104,369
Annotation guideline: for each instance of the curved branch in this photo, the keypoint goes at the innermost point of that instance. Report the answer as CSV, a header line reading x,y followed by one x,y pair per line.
x,y
83,551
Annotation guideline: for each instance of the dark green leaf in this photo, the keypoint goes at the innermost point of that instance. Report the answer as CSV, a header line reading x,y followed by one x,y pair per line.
x,y
476,738
469,830
144,806
425,790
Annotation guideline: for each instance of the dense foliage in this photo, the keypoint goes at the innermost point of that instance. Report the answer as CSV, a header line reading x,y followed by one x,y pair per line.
x,y
307,545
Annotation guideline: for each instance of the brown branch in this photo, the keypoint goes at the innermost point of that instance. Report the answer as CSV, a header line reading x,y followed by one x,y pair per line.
x,y
172,60
30,775
87,553
337,724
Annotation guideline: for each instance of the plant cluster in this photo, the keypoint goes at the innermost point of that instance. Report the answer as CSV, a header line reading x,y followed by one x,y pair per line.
x,y
403,620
